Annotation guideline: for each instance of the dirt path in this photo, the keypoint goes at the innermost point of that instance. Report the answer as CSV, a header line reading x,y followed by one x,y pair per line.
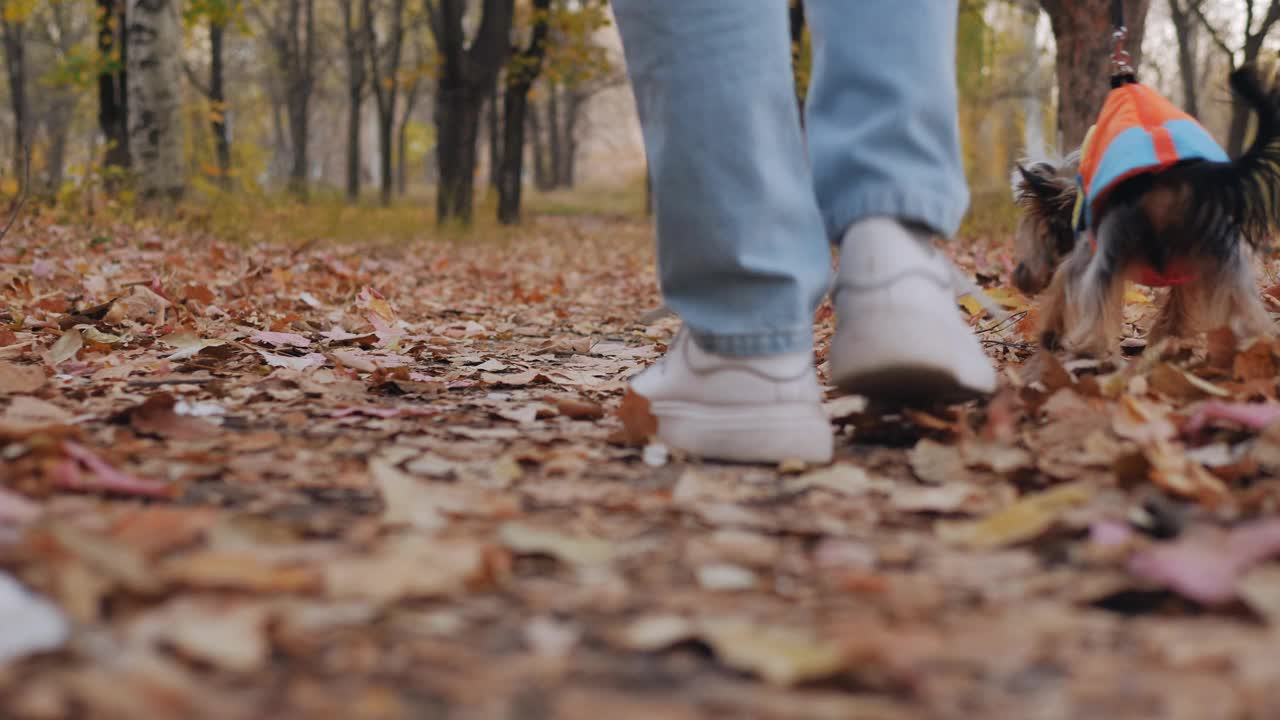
x,y
377,483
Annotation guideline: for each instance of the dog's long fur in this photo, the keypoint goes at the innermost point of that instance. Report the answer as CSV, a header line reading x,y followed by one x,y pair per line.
x,y
1207,216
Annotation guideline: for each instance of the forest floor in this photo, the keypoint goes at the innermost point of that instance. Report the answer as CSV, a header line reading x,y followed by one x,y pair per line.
x,y
308,479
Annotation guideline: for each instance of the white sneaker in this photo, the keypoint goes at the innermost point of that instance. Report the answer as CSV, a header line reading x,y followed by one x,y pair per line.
x,y
900,337
757,409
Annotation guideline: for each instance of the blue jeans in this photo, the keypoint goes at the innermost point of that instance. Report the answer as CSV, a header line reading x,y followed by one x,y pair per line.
x,y
744,218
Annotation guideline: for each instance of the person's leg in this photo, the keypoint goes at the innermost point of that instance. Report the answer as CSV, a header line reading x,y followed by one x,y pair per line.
x,y
884,142
742,256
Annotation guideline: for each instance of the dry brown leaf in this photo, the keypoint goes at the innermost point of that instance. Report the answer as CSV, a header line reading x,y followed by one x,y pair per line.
x,y
1142,421
577,409
780,655
1255,362
1172,471
638,423
64,348
410,567
19,379
573,550
933,462
26,415
155,416
242,570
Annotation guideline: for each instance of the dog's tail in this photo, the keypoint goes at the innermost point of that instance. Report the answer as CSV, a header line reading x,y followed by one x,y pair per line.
x,y
1247,189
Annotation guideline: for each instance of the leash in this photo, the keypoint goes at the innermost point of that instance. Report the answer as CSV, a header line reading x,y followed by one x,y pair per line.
x,y
1122,71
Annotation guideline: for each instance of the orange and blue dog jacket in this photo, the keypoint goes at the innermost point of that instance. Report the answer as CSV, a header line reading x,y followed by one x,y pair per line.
x,y
1138,131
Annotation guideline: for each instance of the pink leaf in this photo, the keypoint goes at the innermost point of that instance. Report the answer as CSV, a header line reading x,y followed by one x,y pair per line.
x,y
102,477
278,339
1254,416
1208,569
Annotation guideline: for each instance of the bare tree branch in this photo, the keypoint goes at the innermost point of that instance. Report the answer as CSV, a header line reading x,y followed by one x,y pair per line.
x,y
1214,35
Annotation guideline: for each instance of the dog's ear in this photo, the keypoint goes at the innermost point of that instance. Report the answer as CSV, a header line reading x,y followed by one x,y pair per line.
x,y
1038,183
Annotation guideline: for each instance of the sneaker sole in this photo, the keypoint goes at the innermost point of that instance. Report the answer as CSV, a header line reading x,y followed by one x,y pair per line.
x,y
746,433
916,366
908,385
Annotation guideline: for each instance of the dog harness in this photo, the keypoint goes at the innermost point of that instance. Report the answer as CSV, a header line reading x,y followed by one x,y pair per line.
x,y
1138,131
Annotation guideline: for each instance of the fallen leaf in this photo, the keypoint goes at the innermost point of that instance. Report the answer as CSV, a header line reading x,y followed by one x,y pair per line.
x,y
1254,416
780,655
279,339
1024,520
573,550
725,577
64,348
408,568
1179,384
638,422
840,478
1141,421
298,364
997,457
18,379
406,500
26,415
188,344
944,499
933,462
1208,567
576,409
1172,471
239,570
155,416
1254,362
99,476
229,636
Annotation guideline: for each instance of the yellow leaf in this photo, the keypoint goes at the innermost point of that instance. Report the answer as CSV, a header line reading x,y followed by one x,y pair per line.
x,y
1024,520
1133,295
971,305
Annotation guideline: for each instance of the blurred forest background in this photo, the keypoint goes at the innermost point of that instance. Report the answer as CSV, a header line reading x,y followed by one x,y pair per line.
x,y
470,110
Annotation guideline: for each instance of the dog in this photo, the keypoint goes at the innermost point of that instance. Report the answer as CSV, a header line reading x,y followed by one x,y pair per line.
x,y
1192,224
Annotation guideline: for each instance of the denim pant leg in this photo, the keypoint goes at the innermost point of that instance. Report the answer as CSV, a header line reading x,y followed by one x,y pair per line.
x,y
881,118
742,254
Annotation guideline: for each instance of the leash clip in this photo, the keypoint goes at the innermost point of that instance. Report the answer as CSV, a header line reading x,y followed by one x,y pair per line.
x,y
1121,61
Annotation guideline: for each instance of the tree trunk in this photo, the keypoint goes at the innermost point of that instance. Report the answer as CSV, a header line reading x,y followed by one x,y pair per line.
x,y
15,57
520,79
155,129
402,136
384,60
466,75
1185,27
541,174
353,43
113,100
568,171
218,98
556,150
1082,29
294,40
496,140
458,123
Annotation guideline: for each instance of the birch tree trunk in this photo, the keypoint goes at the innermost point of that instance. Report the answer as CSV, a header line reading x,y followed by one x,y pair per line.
x,y
154,86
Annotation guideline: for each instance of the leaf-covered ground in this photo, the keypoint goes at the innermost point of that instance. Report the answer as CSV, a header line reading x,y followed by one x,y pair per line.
x,y
336,481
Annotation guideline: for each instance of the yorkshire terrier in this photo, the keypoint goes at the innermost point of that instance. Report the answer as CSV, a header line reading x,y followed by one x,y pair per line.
x,y
1192,224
